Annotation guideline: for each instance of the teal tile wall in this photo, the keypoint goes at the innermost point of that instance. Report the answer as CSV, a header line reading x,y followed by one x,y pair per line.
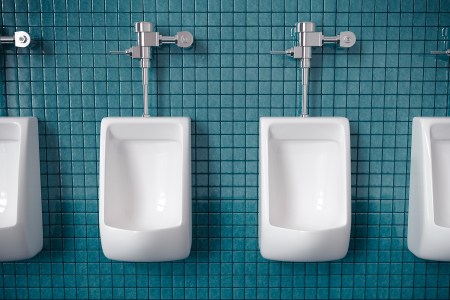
x,y
225,83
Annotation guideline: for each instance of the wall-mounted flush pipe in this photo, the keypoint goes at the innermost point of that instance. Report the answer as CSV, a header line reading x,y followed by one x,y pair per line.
x,y
306,37
147,38
20,39
444,52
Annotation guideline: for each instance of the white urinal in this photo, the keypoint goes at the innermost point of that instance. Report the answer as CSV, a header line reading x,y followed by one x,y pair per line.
x,y
145,188
21,234
429,196
305,205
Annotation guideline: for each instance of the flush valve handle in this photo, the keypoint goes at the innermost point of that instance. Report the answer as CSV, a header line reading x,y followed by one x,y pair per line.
x,y
20,39
184,39
347,39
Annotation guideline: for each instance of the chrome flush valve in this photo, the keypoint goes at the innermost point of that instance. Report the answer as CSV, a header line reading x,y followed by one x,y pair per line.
x,y
147,38
305,37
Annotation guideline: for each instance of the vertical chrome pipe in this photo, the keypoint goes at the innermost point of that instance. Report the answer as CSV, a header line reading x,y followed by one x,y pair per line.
x,y
145,90
145,65
303,29
143,29
305,65
305,85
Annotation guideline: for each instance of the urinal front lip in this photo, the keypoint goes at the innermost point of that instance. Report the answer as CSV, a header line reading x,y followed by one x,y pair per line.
x,y
148,246
109,227
336,228
295,246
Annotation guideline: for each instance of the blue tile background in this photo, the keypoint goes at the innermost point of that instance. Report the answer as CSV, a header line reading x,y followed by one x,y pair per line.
x,y
225,84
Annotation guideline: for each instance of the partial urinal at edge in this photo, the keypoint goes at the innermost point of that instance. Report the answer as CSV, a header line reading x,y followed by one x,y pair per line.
x,y
22,238
428,235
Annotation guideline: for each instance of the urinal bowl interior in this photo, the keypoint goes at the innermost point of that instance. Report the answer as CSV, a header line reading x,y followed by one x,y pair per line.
x,y
143,174
145,189
305,191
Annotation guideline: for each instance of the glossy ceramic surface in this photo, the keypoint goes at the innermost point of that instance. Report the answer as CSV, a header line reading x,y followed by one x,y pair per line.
x,y
305,188
145,184
21,232
429,197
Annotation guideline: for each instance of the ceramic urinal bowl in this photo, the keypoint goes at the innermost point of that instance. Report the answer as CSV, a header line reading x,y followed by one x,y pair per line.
x,y
429,196
20,189
305,205
145,188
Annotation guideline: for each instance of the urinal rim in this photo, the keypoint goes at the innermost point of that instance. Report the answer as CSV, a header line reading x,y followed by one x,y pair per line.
x,y
269,121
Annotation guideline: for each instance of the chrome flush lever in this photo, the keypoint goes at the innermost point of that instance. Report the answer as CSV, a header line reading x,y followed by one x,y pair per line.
x,y
20,39
282,52
118,52
445,52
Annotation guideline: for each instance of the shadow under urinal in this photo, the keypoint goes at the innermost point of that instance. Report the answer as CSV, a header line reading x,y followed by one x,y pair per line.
x,y
21,232
305,205
429,197
145,188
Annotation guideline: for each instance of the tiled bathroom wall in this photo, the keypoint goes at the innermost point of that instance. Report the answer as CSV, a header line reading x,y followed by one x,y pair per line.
x,y
225,84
